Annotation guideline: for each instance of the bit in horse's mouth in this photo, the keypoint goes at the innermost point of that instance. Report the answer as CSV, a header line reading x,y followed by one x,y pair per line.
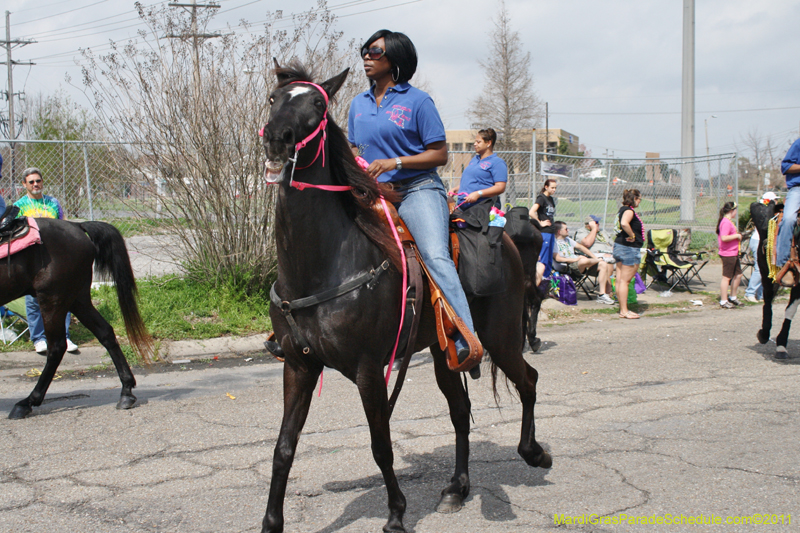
x,y
272,171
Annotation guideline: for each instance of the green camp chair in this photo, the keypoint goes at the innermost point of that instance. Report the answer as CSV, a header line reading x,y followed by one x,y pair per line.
x,y
666,265
11,315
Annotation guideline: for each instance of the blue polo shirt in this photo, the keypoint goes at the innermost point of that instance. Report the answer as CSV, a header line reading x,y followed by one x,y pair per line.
x,y
483,173
404,124
792,158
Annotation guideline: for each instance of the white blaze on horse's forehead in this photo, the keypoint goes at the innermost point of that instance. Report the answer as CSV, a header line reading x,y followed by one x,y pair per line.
x,y
297,91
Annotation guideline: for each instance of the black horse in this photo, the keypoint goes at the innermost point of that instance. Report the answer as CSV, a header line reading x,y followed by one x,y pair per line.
x,y
760,215
328,238
58,272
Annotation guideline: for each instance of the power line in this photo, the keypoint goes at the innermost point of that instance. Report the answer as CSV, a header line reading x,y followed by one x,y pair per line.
x,y
674,112
62,13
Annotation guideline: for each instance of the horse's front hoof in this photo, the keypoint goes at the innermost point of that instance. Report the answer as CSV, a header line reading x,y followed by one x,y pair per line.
x,y
394,526
780,353
762,337
450,503
536,344
545,460
19,412
126,402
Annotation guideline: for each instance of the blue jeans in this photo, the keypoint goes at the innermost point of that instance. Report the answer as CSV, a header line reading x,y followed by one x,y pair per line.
x,y
424,210
783,243
35,322
754,287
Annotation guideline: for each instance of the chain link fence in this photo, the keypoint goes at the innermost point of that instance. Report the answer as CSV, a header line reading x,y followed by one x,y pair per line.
x,y
676,192
92,183
87,178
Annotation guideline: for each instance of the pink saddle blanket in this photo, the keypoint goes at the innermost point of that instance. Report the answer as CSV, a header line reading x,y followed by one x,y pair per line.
x,y
24,242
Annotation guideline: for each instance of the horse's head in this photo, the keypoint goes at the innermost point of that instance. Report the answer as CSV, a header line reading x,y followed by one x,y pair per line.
x,y
297,116
760,214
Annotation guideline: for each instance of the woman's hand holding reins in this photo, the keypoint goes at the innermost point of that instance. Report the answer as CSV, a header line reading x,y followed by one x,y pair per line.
x,y
379,166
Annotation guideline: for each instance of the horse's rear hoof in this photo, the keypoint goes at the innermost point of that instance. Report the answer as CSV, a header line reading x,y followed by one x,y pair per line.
x,y
126,402
780,353
450,503
19,412
536,344
762,337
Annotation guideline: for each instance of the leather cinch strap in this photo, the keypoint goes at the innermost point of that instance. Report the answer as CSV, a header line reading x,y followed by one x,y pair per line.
x,y
370,279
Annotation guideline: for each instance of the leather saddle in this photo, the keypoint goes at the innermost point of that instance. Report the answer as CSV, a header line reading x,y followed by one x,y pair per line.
x,y
11,227
448,323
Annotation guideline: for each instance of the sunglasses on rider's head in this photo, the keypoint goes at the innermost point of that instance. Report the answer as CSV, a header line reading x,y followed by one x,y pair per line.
x,y
374,53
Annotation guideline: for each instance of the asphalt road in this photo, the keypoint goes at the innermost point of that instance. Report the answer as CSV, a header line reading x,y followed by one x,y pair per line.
x,y
674,415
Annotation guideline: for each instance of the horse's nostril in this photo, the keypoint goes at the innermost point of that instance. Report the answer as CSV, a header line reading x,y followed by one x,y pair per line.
x,y
288,136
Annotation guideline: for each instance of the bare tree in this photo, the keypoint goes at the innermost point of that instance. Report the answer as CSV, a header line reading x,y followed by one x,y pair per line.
x,y
508,102
760,164
195,156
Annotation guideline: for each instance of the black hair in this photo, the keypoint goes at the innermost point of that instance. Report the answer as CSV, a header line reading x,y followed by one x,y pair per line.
x,y
488,135
727,208
558,226
400,52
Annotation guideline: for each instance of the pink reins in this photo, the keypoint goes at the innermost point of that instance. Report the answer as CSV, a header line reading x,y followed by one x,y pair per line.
x,y
299,185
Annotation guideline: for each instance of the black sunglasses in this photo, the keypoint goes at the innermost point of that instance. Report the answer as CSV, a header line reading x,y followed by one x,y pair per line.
x,y
374,53
31,182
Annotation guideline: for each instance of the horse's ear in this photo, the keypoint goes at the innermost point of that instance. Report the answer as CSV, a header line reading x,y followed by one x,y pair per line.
x,y
332,85
280,72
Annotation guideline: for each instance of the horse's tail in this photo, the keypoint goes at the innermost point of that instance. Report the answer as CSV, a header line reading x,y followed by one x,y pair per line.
x,y
111,261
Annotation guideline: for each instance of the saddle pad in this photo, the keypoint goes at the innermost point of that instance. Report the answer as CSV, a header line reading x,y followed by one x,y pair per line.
x,y
23,242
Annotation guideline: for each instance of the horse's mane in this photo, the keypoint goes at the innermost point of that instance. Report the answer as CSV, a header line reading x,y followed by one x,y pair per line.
x,y
345,171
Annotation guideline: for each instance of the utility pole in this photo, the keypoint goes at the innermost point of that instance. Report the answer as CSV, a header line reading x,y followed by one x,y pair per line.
x,y
687,114
12,134
9,44
196,37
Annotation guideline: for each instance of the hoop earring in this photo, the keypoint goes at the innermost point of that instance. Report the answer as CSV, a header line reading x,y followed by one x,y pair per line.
x,y
395,78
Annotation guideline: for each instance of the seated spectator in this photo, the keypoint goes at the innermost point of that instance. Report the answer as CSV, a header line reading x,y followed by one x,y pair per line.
x,y
565,253
600,243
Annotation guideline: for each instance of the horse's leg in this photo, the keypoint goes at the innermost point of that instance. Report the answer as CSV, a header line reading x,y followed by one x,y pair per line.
x,y
783,337
94,322
455,493
766,311
298,388
533,303
56,334
372,388
524,378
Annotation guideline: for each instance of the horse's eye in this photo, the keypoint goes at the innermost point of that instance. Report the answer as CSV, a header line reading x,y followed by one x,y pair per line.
x,y
319,104
271,100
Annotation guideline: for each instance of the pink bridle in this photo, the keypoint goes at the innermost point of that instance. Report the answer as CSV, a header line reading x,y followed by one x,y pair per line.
x,y
321,128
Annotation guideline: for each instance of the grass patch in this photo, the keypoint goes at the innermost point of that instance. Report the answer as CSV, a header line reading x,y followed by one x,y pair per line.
x,y
175,309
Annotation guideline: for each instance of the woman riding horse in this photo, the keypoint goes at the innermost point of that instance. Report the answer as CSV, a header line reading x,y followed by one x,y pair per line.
x,y
396,128
338,296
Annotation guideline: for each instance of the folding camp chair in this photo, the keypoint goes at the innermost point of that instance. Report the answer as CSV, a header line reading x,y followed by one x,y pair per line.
x,y
666,265
746,259
13,314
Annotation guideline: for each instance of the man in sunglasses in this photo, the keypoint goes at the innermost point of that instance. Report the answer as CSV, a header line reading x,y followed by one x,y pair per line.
x,y
38,205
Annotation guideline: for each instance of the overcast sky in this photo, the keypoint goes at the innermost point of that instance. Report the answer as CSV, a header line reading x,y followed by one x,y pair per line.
x,y
610,69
